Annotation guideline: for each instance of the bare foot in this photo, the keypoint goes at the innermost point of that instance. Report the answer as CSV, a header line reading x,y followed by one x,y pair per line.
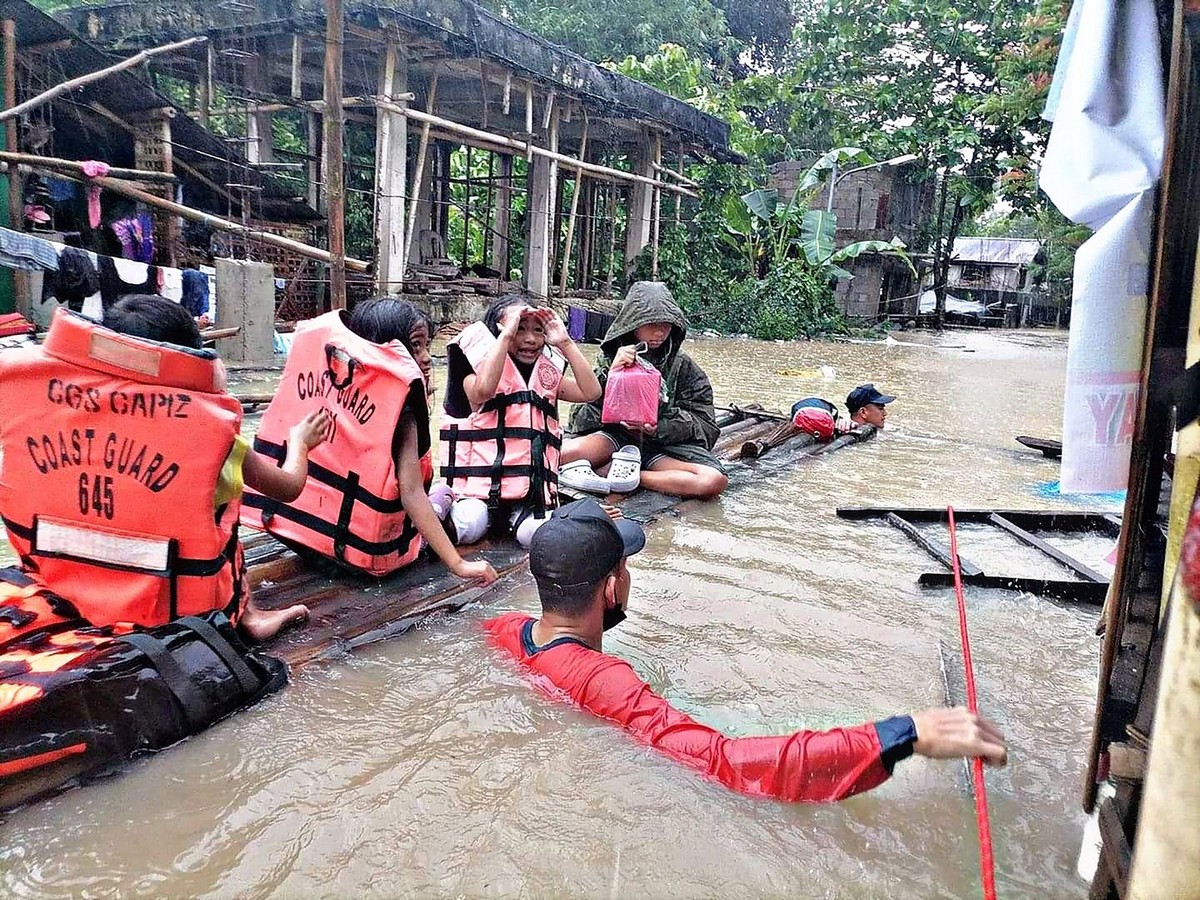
x,y
264,624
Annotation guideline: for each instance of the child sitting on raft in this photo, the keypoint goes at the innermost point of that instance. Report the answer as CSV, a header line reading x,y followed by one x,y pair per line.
x,y
123,469
158,319
676,455
500,436
367,504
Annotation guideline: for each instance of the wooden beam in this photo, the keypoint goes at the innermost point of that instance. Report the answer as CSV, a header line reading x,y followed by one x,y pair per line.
x,y
934,548
16,216
500,227
1087,592
128,190
205,91
529,149
391,169
335,188
656,225
59,89
1032,540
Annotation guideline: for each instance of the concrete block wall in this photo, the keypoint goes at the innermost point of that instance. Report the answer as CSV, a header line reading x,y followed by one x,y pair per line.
x,y
247,292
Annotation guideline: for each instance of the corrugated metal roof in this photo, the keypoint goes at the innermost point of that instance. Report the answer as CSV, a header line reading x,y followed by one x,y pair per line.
x,y
996,251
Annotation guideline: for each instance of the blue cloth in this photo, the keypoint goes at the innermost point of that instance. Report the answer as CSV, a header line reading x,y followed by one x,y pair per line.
x,y
24,251
576,322
195,292
896,738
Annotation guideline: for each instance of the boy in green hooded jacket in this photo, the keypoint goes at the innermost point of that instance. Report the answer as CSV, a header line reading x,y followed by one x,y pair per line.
x,y
676,455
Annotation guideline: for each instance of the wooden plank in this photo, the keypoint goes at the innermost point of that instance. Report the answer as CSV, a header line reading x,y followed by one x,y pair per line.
x,y
1032,540
1039,519
1087,592
936,549
1048,448
1115,851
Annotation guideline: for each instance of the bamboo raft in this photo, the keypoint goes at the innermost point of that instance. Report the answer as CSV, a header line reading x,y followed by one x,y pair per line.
x,y
349,611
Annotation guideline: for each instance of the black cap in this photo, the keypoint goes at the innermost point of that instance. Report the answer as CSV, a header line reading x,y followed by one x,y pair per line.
x,y
864,394
579,545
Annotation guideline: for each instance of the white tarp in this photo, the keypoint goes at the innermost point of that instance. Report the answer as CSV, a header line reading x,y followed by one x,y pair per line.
x,y
928,304
1100,169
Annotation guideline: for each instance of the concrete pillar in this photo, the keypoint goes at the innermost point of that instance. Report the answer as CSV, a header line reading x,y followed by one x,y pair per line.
x,y
391,173
424,220
259,146
503,216
641,202
246,300
542,189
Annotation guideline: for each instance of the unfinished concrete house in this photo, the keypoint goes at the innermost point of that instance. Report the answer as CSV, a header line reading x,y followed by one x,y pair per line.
x,y
445,153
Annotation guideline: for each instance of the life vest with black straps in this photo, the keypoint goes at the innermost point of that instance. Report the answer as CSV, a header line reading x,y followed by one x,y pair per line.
x,y
508,449
350,509
76,699
113,448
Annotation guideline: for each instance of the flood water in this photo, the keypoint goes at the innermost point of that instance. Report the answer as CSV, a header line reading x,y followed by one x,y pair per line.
x,y
425,767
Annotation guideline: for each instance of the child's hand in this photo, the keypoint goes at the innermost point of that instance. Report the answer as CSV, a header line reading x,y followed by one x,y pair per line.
x,y
480,570
634,428
555,328
510,320
625,357
313,429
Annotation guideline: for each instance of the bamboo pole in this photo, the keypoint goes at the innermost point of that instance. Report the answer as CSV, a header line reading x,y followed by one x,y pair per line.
x,y
205,90
15,213
414,196
128,190
656,225
528,148
51,162
335,175
678,199
677,175
59,89
566,255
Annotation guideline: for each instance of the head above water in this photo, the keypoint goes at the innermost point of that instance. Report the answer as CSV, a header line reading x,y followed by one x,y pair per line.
x,y
382,320
531,334
868,406
154,318
575,557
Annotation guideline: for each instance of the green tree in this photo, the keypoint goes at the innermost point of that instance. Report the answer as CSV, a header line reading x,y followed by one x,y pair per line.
x,y
957,83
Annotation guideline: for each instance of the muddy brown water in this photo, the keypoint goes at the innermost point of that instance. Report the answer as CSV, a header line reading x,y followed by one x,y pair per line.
x,y
425,767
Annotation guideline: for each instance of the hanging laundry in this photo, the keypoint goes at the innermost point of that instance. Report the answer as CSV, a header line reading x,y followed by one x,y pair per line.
x,y
75,280
136,237
172,283
119,277
24,251
94,169
195,292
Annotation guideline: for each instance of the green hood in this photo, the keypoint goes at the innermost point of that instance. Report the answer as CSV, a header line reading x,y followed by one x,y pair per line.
x,y
646,303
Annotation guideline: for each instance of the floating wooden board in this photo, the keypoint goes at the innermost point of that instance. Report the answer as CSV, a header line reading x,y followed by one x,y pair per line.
x,y
1030,519
1088,592
1048,448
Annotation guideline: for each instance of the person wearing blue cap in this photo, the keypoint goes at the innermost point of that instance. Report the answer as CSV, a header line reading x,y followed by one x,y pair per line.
x,y
868,406
578,559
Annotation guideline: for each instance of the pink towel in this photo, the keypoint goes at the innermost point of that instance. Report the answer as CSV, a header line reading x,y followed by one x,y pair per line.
x,y
94,169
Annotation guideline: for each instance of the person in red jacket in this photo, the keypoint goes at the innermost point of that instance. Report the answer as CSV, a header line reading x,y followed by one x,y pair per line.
x,y
578,561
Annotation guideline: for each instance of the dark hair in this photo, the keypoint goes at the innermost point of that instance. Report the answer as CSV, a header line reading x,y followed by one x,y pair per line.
x,y
491,318
382,320
154,318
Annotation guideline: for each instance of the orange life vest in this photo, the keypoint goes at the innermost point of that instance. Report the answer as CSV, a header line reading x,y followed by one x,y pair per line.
x,y
507,450
112,451
75,699
350,508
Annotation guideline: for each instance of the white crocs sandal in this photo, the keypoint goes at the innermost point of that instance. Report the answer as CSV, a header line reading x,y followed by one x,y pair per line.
x,y
625,471
580,476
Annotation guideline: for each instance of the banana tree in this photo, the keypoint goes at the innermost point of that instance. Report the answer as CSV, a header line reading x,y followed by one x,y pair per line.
x,y
769,231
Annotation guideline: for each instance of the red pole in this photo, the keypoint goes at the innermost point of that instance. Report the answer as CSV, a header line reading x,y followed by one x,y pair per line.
x,y
987,863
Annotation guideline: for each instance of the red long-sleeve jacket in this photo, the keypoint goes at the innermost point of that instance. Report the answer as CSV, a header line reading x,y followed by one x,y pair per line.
x,y
805,766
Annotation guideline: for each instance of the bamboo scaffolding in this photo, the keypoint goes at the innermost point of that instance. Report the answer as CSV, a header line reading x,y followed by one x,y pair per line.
x,y
128,190
414,195
59,89
334,134
529,148
50,162
678,176
566,256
